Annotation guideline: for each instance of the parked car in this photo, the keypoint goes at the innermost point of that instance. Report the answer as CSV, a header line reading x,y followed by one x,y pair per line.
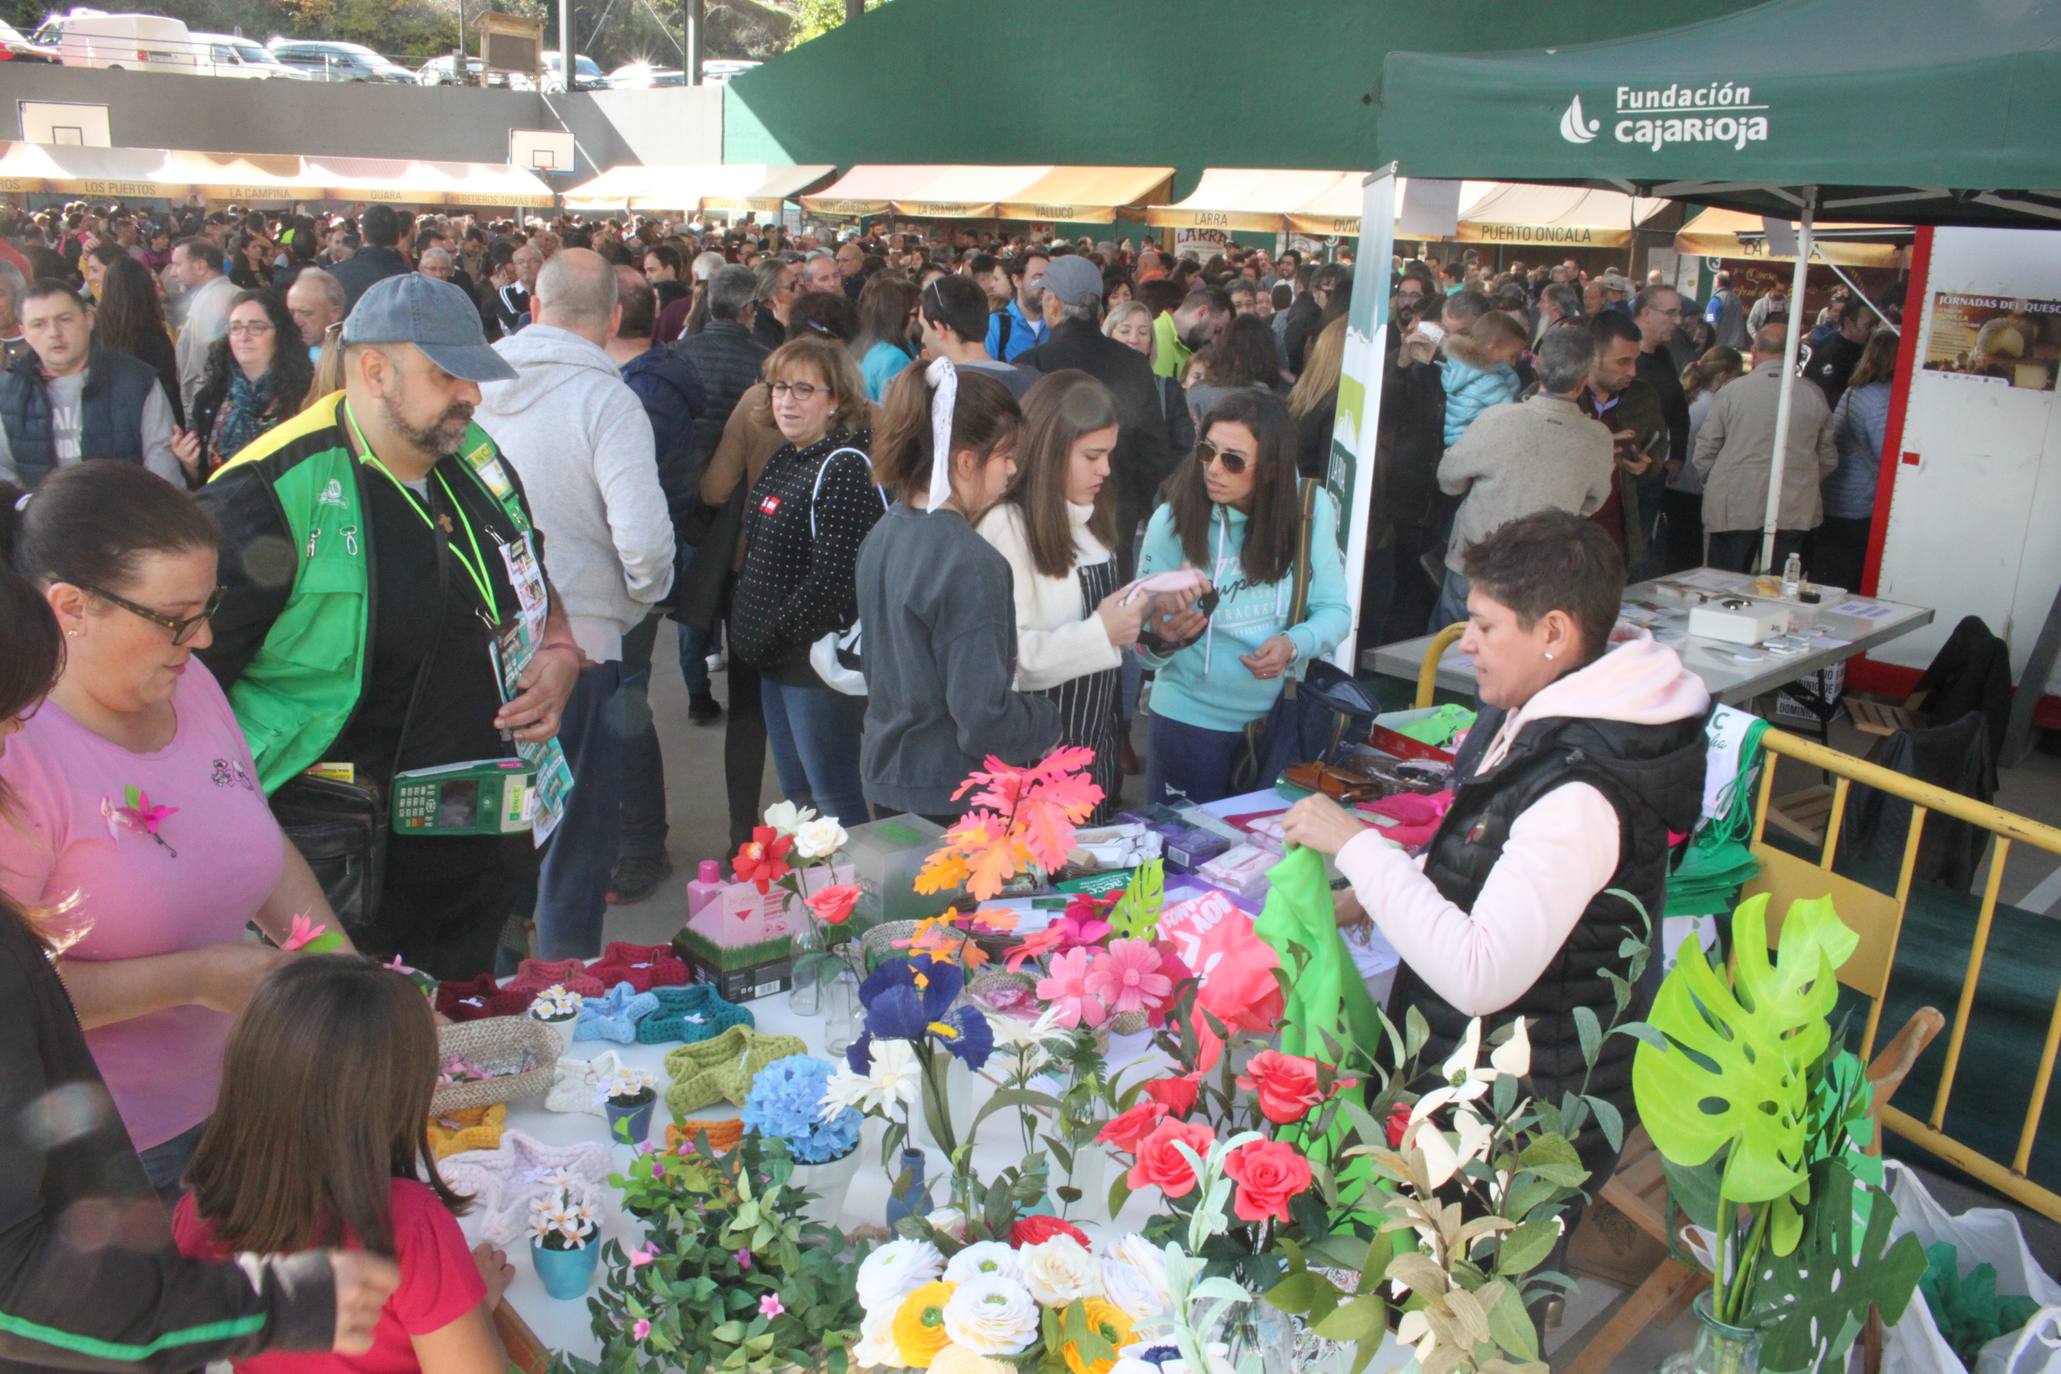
x,y
120,42
325,60
442,71
642,76
15,48
721,69
223,54
587,73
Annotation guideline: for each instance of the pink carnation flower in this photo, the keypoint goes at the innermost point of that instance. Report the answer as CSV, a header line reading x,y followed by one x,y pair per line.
x,y
1066,991
1126,977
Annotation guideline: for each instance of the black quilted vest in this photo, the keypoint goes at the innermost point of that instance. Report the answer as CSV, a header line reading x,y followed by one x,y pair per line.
x,y
117,386
1652,776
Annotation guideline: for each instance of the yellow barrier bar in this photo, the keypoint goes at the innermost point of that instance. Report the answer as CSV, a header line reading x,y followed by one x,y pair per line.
x,y
2012,1185
1965,1006
1833,819
1427,671
1923,794
2039,1090
1903,905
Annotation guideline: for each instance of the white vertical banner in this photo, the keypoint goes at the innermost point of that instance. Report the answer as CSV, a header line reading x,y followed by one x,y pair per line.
x,y
1351,478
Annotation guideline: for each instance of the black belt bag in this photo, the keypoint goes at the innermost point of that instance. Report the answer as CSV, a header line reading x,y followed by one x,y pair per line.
x,y
340,828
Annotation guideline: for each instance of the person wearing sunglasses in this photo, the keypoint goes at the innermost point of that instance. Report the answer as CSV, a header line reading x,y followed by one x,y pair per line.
x,y
137,800
1235,513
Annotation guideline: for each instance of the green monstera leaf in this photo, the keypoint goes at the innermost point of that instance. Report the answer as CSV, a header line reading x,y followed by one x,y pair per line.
x,y
1735,1072
1812,1302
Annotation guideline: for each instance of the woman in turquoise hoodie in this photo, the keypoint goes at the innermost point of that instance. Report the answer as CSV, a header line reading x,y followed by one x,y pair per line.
x,y
1236,514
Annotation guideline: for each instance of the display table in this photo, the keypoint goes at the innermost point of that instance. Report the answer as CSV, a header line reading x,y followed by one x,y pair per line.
x,y
1846,625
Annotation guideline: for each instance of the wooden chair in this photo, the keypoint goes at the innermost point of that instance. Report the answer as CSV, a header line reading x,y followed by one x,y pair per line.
x,y
1427,674
1638,1188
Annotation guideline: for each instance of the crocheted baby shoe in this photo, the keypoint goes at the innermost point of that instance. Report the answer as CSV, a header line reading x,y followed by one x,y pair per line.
x,y
469,999
693,1013
574,1081
643,967
721,1069
502,1181
614,1015
724,1135
532,976
473,1128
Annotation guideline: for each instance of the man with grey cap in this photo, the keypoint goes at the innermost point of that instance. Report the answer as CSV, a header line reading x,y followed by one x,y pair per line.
x,y
379,559
580,440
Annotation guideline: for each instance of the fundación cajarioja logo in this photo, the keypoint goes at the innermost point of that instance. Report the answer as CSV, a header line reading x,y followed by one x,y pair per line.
x,y
1656,117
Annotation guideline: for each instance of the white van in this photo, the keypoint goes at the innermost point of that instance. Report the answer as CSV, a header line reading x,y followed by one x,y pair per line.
x,y
223,54
121,42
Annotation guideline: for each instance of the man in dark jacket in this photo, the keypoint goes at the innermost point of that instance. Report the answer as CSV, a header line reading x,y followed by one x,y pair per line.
x,y
378,259
68,400
670,390
1143,457
1834,348
1631,411
1657,311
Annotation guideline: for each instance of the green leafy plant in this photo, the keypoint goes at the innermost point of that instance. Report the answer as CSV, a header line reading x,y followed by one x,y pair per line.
x,y
1136,913
1813,1300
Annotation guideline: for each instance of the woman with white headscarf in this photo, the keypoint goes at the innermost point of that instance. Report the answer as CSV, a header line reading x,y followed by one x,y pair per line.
x,y
935,599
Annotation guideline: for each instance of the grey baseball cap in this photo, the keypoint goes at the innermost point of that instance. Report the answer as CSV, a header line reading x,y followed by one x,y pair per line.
x,y
1073,279
436,316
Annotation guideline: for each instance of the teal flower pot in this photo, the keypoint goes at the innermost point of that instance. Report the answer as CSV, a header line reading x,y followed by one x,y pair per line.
x,y
638,1117
566,1273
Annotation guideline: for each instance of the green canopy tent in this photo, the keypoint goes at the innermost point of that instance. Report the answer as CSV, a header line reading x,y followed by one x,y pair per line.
x,y
1895,110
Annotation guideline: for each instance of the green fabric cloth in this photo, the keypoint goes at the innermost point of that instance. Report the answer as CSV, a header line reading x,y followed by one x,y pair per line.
x,y
1438,728
1325,994
1717,862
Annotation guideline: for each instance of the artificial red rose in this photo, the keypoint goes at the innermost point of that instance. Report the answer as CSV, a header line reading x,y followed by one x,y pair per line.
x,y
1125,1131
762,859
1268,1173
1177,1095
1038,1230
833,905
1398,1124
1286,1085
1162,1166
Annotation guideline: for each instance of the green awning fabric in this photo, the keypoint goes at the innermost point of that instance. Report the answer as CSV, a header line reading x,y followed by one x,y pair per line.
x,y
1901,111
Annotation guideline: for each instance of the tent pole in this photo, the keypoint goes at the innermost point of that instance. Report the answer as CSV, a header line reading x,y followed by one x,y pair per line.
x,y
1854,287
1792,337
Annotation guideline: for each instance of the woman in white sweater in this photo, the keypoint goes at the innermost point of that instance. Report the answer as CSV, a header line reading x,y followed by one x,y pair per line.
x,y
1055,528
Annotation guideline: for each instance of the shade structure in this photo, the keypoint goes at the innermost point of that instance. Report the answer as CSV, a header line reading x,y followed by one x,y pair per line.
x,y
411,181
1719,233
150,173
1551,216
1074,195
1899,111
688,188
1254,199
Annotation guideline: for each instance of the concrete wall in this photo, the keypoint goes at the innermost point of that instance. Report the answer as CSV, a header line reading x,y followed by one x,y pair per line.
x,y
218,115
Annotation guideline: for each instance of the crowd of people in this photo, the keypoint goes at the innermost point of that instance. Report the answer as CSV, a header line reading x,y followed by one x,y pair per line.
x,y
406,492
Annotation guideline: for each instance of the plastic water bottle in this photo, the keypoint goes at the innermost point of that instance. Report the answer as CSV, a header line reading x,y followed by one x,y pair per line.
x,y
1792,577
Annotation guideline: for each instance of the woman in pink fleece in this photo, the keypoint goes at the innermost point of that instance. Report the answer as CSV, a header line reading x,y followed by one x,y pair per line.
x,y
1586,762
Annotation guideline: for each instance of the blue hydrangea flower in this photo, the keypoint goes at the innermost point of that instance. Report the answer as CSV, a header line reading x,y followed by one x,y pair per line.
x,y
784,1102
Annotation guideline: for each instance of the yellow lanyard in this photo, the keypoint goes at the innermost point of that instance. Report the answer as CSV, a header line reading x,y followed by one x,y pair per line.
x,y
476,566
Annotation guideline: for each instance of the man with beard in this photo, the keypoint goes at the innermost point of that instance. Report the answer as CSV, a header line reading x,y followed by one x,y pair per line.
x,y
372,548
1195,324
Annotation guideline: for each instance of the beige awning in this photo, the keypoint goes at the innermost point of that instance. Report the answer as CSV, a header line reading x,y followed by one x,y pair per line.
x,y
243,178
1252,199
1735,234
1090,195
1551,216
411,181
688,188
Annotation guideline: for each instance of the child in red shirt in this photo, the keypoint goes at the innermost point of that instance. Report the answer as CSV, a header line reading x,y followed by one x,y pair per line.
x,y
320,1138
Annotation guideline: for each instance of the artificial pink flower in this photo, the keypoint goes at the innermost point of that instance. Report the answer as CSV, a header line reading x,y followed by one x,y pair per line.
x,y
1066,991
769,1306
639,1258
1126,977
833,905
301,932
744,1260
1083,924
1036,945
640,1330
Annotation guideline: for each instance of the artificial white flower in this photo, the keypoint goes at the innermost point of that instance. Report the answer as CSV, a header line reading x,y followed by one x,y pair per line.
x,y
992,1315
948,1221
622,1085
786,818
1513,1056
820,839
1441,1159
1415,1330
1131,1359
1059,1270
1032,1040
957,1359
894,1078
556,1003
894,1271
1461,1077
1134,1277
876,1344
984,1258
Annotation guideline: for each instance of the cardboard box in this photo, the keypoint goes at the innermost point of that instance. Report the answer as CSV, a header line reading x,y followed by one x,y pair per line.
x,y
749,983
743,927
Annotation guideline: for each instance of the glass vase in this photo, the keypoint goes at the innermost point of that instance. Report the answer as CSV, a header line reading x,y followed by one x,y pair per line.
x,y
909,1196
1721,1348
805,996
843,1017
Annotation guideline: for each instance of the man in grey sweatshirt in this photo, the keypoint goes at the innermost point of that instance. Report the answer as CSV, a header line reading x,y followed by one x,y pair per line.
x,y
583,447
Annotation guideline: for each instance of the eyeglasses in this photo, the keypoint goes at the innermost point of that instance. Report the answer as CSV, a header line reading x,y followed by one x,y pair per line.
x,y
800,390
181,630
250,327
1234,463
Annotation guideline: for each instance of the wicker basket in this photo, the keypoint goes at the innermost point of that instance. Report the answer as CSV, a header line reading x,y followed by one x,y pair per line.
x,y
1127,1023
518,1052
989,981
878,944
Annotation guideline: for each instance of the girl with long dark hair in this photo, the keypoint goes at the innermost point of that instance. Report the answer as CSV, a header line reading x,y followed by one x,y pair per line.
x,y
131,320
258,374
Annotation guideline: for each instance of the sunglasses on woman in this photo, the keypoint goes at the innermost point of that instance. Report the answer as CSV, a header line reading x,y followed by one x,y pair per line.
x,y
1234,463
181,629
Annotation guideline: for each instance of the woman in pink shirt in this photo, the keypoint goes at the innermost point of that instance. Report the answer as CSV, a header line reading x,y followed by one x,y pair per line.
x,y
137,805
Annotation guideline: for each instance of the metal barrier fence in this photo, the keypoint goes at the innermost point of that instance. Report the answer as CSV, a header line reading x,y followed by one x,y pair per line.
x,y
1878,918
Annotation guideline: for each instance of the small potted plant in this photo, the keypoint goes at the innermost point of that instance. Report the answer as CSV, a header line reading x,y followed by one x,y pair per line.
x,y
785,1104
627,1097
559,1008
564,1237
